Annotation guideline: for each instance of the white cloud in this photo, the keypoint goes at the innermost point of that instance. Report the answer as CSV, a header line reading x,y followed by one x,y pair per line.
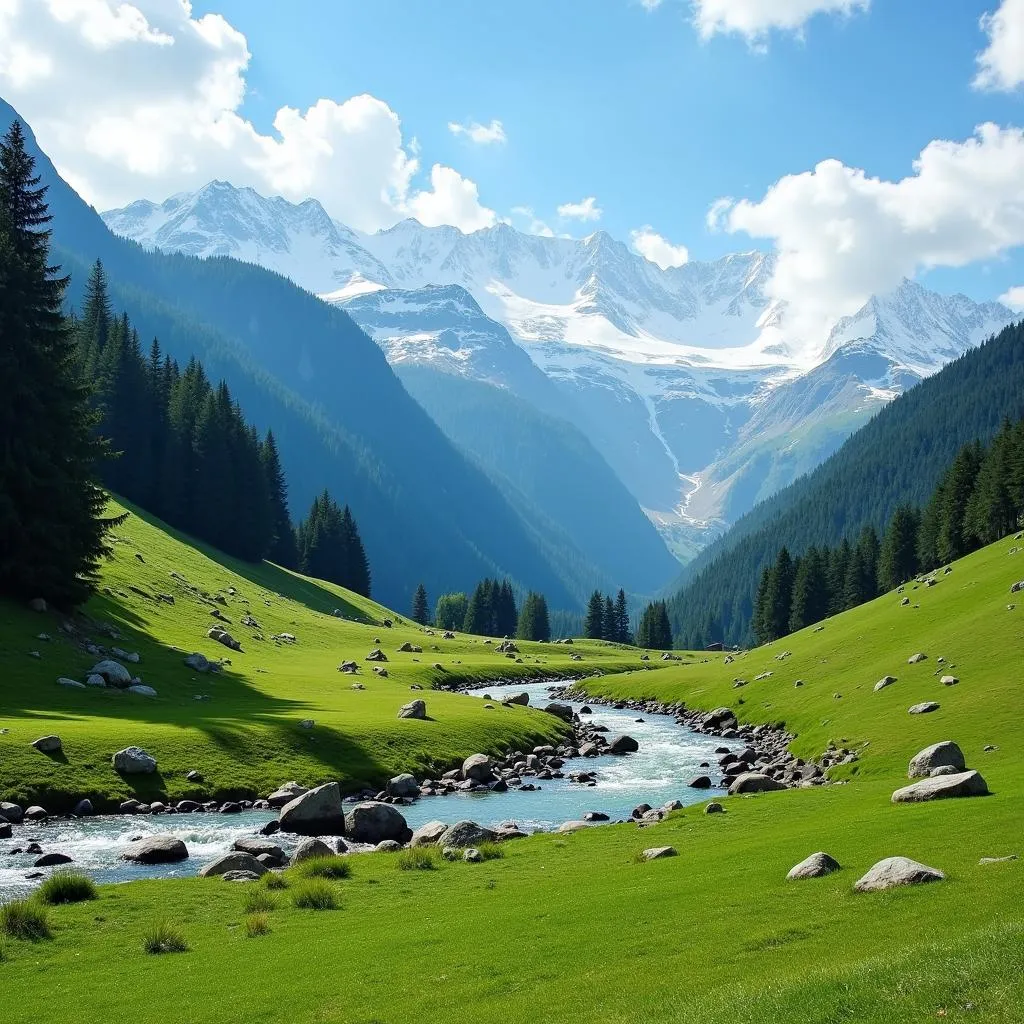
x,y
142,99
536,225
586,209
657,249
481,134
717,211
842,236
754,19
1001,63
1014,298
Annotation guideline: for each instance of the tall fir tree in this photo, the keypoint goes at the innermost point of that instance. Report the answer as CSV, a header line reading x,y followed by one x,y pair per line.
x,y
283,549
51,508
420,607
593,624
622,618
533,618
897,559
610,627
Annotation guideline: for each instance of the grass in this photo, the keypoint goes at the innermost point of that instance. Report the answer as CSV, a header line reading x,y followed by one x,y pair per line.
x,y
716,935
324,867
163,937
67,887
244,735
273,880
257,925
258,901
314,896
419,859
25,919
490,851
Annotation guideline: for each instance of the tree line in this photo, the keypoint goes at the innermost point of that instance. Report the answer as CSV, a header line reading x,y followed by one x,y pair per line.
x,y
607,618
978,500
489,611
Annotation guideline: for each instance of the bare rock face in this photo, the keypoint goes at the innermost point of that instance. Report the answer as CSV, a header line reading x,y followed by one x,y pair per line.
x,y
942,787
815,866
895,871
946,752
316,813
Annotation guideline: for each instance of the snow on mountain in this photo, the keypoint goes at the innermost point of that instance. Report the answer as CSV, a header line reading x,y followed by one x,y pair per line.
x,y
684,379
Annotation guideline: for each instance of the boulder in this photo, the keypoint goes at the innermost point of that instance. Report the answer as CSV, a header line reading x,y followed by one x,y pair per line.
x,y
36,813
286,794
916,659
403,786
658,852
925,761
414,709
11,812
941,787
242,876
113,671
94,680
310,849
623,745
429,834
376,655
160,849
83,809
234,861
134,761
700,782
924,708
559,710
573,826
222,636
720,718
198,662
949,680
315,813
373,822
477,767
466,833
388,846
72,684
884,682
260,846
894,871
754,782
815,866
142,691
307,723
47,744
50,860
518,698
5,829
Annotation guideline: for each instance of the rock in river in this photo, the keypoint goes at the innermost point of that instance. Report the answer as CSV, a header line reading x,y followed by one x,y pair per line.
x,y
623,745
373,822
315,813
162,849
894,871
466,833
235,861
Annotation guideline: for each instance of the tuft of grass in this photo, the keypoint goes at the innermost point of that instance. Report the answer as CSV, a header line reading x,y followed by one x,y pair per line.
x,y
324,867
417,860
67,887
314,895
491,851
24,919
258,901
273,880
163,937
256,925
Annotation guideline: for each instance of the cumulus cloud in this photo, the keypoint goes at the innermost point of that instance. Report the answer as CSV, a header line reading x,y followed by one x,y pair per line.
x,y
142,99
842,236
536,225
657,249
718,211
1001,63
585,209
1014,298
481,134
754,19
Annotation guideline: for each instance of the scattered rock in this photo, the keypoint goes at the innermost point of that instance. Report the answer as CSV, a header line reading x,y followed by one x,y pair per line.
x,y
198,662
478,767
938,754
307,723
403,786
310,849
941,787
376,655
134,761
286,794
11,812
895,871
262,847
518,698
658,852
222,636
314,813
113,671
815,866
623,745
234,861
924,708
429,834
73,684
573,826
49,860
473,856
559,710
949,680
48,744
142,691
754,782
884,682
242,876
915,659
414,709
95,680
466,833
373,822
159,849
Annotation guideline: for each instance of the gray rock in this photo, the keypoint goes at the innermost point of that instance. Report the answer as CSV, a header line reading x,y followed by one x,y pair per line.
x,y
949,680
924,708
160,849
754,782
47,744
478,767
316,813
942,769
198,662
573,826
403,786
72,684
623,745
95,680
429,834
311,848
414,709
388,846
815,866
997,860
36,813
234,861
941,787
240,876
222,636
944,753
658,852
142,691
12,812
559,710
260,846
472,856
286,794
700,782
518,698
49,860
307,723
895,871
884,682
466,833
83,809
915,659
134,761
113,671
373,822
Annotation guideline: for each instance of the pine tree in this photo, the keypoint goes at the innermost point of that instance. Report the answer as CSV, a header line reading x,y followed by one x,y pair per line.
x,y
654,631
610,623
533,618
283,549
954,539
593,624
810,591
51,526
839,563
357,564
420,608
479,618
897,559
622,619
780,595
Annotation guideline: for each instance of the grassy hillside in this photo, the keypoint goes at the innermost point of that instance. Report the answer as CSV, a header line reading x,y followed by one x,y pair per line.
x,y
245,738
575,929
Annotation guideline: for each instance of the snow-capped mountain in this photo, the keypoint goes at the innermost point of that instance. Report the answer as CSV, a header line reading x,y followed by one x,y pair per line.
x,y
683,379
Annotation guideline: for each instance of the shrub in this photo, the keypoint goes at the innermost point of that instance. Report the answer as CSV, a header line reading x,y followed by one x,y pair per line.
x,y
22,919
273,880
314,896
164,938
324,867
256,925
67,887
417,860
258,901
490,851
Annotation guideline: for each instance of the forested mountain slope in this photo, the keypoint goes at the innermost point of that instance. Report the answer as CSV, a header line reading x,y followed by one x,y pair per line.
x,y
897,457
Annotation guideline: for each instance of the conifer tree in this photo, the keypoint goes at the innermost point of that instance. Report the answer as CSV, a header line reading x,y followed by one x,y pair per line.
x,y
593,624
897,559
358,566
51,525
610,623
622,618
810,591
420,608
654,631
283,549
533,618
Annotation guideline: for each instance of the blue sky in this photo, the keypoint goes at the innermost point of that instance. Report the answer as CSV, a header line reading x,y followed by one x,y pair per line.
x,y
606,98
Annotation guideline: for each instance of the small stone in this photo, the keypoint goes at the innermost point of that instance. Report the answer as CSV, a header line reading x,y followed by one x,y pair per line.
x,y
714,808
915,659
815,866
658,852
924,708
884,682
949,680
47,744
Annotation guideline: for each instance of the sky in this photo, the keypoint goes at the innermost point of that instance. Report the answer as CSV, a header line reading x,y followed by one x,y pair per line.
x,y
863,140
